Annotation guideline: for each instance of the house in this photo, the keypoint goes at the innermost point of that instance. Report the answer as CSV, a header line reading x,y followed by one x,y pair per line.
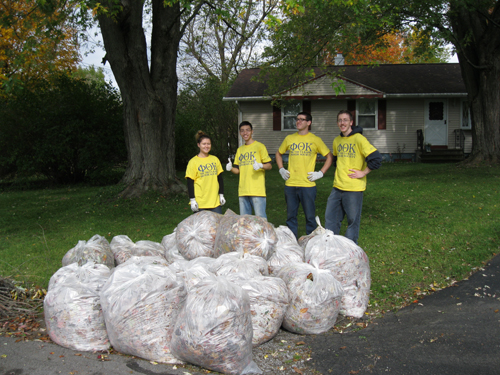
x,y
400,107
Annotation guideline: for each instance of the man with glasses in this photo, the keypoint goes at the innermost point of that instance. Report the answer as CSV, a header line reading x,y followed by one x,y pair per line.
x,y
303,148
251,162
354,157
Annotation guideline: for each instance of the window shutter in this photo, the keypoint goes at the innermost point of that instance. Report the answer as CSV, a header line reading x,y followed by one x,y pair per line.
x,y
276,118
306,107
382,103
351,107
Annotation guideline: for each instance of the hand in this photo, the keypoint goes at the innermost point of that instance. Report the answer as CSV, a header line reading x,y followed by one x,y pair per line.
x,y
284,173
222,199
256,166
194,205
229,165
313,176
356,174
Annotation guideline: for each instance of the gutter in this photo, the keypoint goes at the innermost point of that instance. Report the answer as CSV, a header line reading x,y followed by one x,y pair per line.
x,y
387,96
246,98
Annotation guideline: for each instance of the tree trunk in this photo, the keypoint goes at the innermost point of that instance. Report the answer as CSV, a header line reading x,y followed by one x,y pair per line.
x,y
149,93
480,64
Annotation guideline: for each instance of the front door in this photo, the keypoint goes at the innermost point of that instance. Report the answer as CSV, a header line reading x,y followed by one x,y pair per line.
x,y
436,122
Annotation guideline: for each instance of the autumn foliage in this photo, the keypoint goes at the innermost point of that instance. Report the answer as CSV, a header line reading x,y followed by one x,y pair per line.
x,y
396,48
35,41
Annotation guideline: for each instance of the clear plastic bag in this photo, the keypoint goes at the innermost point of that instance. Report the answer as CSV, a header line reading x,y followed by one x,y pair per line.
x,y
287,250
72,308
121,247
247,234
96,249
169,243
305,239
237,262
268,304
214,328
349,264
195,235
140,303
314,297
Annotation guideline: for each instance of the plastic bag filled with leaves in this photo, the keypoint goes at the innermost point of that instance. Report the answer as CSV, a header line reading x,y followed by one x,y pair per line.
x,y
305,239
193,271
195,235
349,264
314,298
287,250
169,243
72,307
247,234
268,304
140,302
214,328
96,249
241,263
123,248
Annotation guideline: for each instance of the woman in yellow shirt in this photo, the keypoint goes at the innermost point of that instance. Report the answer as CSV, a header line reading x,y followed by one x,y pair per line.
x,y
204,179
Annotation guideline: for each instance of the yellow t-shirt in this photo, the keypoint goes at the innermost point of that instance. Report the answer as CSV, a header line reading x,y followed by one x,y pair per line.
x,y
204,172
303,151
252,182
351,153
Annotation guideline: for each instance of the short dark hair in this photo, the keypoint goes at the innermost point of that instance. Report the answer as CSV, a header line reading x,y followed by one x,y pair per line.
x,y
308,115
346,112
243,123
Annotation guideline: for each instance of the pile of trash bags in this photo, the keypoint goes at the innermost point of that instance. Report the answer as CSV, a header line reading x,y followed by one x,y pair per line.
x,y
212,290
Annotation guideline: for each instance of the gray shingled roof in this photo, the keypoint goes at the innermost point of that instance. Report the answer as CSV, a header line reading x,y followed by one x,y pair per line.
x,y
394,79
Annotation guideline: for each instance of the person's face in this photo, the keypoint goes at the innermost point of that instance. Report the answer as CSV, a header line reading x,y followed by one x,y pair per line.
x,y
344,123
205,145
246,132
301,123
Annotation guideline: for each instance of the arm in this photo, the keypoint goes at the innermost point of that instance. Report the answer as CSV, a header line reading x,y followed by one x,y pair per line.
x,y
190,184
374,161
279,160
221,183
328,163
267,166
235,170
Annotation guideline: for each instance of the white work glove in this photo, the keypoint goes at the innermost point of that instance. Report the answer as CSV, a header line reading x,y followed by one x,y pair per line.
x,y
194,205
256,166
229,165
313,176
222,199
284,173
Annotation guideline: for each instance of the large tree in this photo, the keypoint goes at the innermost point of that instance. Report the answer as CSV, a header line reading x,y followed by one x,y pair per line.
x,y
147,78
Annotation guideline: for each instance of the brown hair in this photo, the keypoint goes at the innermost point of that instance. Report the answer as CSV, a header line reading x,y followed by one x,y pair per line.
x,y
200,136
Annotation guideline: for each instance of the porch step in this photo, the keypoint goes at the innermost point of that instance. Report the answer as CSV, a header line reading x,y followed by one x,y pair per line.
x,y
442,156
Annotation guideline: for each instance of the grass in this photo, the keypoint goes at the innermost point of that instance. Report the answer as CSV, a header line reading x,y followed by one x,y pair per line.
x,y
423,226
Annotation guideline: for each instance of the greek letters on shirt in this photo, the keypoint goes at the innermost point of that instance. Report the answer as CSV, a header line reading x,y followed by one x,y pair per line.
x,y
346,150
208,169
302,148
246,158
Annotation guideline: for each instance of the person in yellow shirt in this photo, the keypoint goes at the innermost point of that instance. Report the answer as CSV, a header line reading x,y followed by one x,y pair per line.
x,y
303,148
250,162
204,179
354,158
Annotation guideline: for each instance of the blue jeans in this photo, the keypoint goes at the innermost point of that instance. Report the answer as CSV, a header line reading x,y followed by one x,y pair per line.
x,y
340,204
217,209
257,203
294,195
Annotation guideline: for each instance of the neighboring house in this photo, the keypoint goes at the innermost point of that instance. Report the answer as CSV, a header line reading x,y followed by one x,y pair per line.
x,y
391,102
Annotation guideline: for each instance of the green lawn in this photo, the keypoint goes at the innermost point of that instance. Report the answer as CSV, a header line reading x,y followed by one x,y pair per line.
x,y
423,226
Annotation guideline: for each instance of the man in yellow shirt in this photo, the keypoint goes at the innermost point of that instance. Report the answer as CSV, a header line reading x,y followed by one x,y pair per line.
x,y
303,148
250,162
354,157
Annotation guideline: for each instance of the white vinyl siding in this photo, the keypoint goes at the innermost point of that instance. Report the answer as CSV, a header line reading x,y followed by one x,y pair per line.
x,y
323,87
